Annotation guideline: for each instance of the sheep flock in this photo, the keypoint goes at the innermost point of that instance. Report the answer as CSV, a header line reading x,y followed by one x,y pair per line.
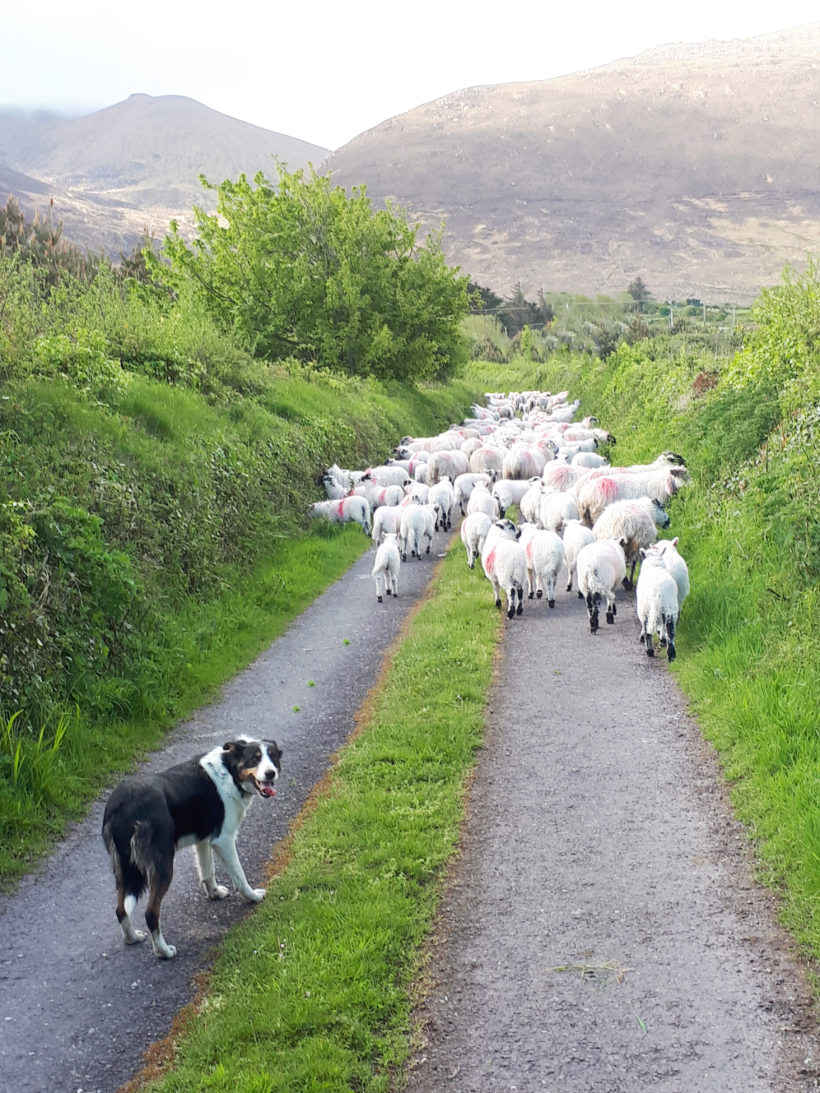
x,y
580,514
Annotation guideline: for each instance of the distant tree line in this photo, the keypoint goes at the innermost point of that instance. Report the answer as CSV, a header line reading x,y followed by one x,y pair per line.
x,y
513,312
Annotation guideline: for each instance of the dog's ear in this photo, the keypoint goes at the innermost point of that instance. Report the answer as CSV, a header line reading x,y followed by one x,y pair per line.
x,y
232,745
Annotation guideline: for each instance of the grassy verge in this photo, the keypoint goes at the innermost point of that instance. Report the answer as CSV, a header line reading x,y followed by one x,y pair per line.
x,y
312,992
48,778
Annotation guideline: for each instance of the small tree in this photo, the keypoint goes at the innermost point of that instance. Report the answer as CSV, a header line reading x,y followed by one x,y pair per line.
x,y
640,294
301,269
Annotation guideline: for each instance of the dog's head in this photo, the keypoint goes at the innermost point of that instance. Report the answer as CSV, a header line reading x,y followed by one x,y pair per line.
x,y
254,764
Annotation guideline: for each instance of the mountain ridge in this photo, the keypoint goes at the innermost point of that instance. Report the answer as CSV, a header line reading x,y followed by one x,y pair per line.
x,y
693,166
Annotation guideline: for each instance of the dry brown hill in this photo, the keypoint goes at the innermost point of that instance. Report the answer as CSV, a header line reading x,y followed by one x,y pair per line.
x,y
695,167
134,165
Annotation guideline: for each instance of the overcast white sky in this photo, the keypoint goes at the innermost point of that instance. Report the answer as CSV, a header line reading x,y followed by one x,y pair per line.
x,y
325,71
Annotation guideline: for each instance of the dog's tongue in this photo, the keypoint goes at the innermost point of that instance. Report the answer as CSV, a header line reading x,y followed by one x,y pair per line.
x,y
267,791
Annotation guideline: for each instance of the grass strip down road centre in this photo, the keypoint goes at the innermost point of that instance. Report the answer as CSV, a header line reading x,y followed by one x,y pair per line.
x,y
313,990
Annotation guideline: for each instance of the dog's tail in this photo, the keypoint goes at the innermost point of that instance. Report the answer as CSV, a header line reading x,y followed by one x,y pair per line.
x,y
128,860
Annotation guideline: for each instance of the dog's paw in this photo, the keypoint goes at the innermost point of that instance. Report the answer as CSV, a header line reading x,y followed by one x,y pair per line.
x,y
134,937
256,895
219,892
168,953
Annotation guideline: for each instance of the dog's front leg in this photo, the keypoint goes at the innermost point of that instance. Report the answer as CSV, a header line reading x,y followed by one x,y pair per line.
x,y
205,868
226,848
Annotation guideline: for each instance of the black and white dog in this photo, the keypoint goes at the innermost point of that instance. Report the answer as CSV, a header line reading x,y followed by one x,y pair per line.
x,y
201,802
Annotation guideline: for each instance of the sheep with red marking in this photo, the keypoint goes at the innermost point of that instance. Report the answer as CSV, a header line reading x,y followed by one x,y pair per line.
x,y
595,492
346,510
505,565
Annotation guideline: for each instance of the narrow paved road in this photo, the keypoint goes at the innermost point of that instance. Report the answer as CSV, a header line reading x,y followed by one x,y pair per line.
x,y
602,932
77,1008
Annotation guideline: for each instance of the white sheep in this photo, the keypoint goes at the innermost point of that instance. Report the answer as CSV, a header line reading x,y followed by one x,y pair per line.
x,y
450,463
386,566
637,521
487,458
481,500
347,509
509,491
601,566
474,530
676,564
576,537
656,601
388,474
416,523
378,495
443,495
523,462
463,486
530,504
505,564
544,552
556,509
595,491
386,520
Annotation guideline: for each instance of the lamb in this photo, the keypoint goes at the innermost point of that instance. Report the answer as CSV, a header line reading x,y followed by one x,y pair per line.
x,y
601,566
474,530
347,509
505,564
417,523
636,521
443,495
481,500
386,566
463,486
544,552
656,601
674,562
530,504
576,536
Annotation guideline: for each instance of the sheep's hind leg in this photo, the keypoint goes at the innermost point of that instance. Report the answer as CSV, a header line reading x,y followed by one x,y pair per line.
x,y
670,636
